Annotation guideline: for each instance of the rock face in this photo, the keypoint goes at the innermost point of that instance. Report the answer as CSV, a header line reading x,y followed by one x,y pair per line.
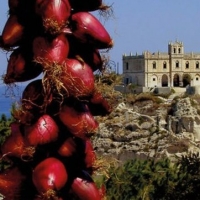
x,y
186,118
172,130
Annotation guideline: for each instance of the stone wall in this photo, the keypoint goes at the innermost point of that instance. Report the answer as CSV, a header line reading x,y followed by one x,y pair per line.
x,y
162,90
126,89
193,90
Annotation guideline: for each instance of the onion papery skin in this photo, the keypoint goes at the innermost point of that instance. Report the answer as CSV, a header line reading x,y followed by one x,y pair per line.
x,y
68,147
85,5
21,68
34,98
49,175
85,189
71,79
42,198
88,29
44,131
53,50
54,14
77,78
86,53
79,122
12,32
15,145
10,183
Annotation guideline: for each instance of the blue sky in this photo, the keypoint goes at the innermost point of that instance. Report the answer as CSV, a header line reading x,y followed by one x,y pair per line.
x,y
139,25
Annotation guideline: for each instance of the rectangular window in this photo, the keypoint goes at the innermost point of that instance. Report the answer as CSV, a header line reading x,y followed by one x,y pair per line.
x,y
177,64
154,65
127,66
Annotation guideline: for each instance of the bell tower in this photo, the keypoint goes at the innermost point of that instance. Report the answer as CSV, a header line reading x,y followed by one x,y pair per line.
x,y
176,49
176,54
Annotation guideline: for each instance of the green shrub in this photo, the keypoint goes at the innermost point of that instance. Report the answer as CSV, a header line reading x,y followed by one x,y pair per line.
x,y
172,91
4,133
155,180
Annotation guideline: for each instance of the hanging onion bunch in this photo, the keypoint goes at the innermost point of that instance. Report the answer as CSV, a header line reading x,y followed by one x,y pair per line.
x,y
55,45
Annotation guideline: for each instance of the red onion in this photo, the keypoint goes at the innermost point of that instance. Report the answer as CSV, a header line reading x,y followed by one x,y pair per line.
x,y
88,29
44,131
67,148
86,53
10,183
42,198
15,145
90,156
20,67
77,78
34,98
72,79
13,32
85,189
79,122
13,5
24,9
49,176
48,51
98,105
54,14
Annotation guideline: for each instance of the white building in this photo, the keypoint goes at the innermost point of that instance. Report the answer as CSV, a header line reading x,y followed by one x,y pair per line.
x,y
172,69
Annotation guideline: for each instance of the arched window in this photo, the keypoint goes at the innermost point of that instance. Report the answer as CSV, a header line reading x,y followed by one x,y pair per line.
x,y
187,65
154,65
174,50
177,64
164,65
179,50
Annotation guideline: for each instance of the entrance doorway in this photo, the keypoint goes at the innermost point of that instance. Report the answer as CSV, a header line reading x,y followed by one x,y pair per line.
x,y
164,81
176,80
186,80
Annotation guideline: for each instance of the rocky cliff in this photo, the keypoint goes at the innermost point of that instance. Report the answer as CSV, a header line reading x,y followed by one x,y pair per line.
x,y
146,126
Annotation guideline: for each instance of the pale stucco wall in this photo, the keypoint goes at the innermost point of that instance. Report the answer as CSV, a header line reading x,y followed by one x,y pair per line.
x,y
148,69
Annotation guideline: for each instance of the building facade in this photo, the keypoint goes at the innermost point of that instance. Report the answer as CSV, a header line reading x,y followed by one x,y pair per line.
x,y
172,69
